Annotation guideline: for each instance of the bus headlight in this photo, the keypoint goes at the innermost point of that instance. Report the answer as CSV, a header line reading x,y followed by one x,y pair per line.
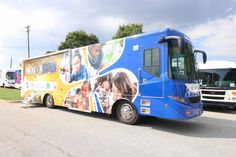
x,y
178,99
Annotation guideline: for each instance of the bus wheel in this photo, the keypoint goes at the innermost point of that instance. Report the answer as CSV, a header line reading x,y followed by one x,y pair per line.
x,y
127,113
48,101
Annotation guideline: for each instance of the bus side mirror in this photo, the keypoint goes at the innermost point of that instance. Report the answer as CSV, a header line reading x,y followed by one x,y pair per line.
x,y
204,56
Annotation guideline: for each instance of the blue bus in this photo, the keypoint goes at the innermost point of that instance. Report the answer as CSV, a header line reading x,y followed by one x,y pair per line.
x,y
150,74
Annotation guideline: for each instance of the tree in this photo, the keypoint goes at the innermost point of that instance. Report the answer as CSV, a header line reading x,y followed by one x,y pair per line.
x,y
77,39
127,30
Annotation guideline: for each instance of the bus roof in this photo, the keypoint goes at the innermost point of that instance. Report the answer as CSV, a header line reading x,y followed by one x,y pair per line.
x,y
217,65
167,31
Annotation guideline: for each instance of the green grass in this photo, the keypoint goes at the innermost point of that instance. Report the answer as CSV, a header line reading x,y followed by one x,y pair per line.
x,y
9,94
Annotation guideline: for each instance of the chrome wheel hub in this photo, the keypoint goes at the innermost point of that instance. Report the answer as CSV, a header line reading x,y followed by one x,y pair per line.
x,y
126,111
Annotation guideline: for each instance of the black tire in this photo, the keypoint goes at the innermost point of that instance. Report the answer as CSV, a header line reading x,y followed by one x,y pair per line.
x,y
127,113
49,101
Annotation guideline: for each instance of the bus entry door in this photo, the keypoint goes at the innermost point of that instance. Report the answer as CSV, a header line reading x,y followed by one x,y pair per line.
x,y
151,76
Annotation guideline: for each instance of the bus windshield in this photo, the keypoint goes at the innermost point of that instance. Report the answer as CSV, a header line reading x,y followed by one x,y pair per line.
x,y
10,75
225,78
181,64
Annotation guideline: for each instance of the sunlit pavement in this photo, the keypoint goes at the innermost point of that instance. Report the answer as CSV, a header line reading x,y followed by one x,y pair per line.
x,y
38,131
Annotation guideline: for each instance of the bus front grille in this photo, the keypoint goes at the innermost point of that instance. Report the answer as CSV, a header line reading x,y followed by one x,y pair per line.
x,y
208,94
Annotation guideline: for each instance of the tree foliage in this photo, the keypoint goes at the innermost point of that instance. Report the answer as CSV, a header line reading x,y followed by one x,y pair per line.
x,y
127,30
77,39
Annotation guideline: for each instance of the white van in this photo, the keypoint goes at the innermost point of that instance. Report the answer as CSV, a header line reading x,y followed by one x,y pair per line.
x,y
7,77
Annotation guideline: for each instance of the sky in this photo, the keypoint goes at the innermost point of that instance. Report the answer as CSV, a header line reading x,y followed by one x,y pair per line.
x,y
211,24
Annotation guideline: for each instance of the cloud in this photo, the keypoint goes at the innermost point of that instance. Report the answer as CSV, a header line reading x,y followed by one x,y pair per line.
x,y
217,37
182,13
9,19
13,39
50,21
228,10
107,26
42,19
5,61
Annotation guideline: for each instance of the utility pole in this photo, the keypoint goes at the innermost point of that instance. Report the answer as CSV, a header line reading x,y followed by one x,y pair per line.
x,y
11,63
28,30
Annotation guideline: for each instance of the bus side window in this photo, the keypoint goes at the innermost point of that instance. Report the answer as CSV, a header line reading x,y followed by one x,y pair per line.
x,y
152,61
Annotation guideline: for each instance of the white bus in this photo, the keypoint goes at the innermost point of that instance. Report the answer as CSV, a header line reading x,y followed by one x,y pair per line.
x,y
218,83
7,78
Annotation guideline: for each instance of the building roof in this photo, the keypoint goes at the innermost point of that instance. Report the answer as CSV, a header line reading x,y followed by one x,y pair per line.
x,y
217,65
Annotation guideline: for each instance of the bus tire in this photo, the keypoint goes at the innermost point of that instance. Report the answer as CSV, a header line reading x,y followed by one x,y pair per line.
x,y
127,113
49,101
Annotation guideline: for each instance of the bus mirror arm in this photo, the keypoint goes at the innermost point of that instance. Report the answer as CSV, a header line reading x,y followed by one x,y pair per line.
x,y
203,55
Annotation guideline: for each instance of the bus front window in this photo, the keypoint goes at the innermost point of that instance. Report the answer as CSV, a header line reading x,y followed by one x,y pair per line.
x,y
181,64
10,75
218,78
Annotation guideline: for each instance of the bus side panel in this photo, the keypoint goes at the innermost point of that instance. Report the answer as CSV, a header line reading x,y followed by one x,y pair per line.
x,y
99,85
41,76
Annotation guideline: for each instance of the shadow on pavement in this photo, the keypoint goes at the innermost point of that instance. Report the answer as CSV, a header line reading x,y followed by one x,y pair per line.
x,y
220,109
202,127
25,106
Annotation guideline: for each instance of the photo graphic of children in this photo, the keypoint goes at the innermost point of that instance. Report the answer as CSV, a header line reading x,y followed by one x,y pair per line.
x,y
102,89
123,87
77,98
72,99
79,71
95,56
85,92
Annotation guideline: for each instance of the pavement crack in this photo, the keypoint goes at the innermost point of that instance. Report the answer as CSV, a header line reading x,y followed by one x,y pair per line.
x,y
24,133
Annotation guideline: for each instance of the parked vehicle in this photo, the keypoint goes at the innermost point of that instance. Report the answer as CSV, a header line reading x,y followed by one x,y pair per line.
x,y
218,83
18,79
150,74
7,77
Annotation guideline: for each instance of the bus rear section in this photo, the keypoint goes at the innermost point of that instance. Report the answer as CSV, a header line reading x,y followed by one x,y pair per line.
x,y
149,74
218,83
18,79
